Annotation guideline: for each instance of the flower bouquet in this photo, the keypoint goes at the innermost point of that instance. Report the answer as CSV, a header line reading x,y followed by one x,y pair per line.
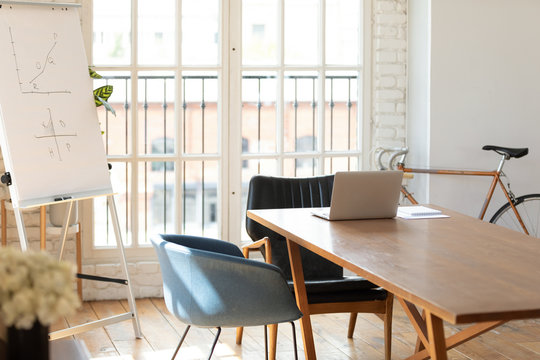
x,y
35,291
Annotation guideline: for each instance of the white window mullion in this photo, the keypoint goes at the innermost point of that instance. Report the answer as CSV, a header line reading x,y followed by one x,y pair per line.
x,y
280,96
321,121
179,169
280,113
134,128
321,87
234,131
224,124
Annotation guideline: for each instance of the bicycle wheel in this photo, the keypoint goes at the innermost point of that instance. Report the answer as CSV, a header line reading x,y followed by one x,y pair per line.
x,y
528,207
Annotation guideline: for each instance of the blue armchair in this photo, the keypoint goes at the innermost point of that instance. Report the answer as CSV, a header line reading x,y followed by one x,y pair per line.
x,y
209,283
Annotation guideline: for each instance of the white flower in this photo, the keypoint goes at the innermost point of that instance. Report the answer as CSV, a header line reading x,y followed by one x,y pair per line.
x,y
34,286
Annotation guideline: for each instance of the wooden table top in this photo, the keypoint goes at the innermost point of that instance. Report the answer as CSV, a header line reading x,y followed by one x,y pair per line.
x,y
462,269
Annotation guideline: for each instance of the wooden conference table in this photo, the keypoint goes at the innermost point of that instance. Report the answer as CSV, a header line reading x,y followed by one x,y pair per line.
x,y
457,269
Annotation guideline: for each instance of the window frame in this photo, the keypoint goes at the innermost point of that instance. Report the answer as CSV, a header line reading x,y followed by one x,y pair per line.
x,y
229,157
364,108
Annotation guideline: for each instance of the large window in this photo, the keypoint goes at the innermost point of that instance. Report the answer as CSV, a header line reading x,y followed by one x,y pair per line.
x,y
209,93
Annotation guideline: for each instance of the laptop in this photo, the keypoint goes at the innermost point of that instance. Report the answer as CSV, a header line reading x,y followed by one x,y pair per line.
x,y
363,195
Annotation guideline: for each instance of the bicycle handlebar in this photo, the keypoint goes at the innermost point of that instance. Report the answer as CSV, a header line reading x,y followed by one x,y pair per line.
x,y
394,153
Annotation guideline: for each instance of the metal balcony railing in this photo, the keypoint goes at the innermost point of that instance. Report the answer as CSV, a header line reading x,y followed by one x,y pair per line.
x,y
156,139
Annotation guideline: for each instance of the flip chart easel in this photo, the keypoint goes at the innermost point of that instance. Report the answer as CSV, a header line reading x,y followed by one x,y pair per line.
x,y
49,131
130,315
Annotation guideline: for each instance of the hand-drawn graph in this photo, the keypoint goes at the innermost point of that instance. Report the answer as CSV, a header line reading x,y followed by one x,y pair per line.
x,y
31,80
55,133
48,119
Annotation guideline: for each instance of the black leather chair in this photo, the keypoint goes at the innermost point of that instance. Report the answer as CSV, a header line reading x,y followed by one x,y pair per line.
x,y
328,290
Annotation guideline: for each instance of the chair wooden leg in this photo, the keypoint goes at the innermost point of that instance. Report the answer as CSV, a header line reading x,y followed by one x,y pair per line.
x,y
215,342
388,327
181,341
352,324
239,334
273,340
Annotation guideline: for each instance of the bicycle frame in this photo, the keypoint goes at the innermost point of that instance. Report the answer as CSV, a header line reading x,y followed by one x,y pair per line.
x,y
495,174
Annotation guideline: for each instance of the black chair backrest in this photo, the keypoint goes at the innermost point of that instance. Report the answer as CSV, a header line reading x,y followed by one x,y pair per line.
x,y
267,192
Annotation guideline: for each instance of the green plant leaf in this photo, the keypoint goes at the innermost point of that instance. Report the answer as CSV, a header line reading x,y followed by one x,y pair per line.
x,y
104,102
93,74
108,107
103,92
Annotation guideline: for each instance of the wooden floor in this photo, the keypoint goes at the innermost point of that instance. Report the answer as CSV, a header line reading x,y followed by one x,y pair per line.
x,y
161,333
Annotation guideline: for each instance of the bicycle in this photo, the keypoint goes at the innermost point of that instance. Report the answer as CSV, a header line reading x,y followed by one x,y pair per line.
x,y
520,213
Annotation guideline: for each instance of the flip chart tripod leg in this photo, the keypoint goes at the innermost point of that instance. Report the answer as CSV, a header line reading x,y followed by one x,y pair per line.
x,y
43,227
131,299
21,229
4,220
67,215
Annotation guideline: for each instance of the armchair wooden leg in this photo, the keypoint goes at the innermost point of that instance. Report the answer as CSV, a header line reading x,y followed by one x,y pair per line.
x,y
388,327
352,324
239,333
273,340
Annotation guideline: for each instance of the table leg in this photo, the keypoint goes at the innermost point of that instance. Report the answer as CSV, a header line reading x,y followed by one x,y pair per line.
x,y
419,344
301,298
423,343
437,341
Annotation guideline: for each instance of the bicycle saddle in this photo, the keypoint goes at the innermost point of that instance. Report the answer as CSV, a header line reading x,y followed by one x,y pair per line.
x,y
510,152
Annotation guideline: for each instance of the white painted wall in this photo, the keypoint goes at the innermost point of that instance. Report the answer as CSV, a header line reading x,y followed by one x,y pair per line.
x,y
418,109
484,88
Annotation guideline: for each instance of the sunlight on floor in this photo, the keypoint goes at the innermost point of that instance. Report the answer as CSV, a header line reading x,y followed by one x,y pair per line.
x,y
187,352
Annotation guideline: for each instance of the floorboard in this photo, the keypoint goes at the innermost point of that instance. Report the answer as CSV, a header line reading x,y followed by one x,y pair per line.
x,y
517,340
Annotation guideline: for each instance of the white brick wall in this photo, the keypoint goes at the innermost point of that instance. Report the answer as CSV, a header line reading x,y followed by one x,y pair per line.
x,y
389,72
145,279
31,219
389,110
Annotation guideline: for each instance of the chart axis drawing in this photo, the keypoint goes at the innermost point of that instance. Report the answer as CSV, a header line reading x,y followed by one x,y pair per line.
x,y
34,85
61,140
